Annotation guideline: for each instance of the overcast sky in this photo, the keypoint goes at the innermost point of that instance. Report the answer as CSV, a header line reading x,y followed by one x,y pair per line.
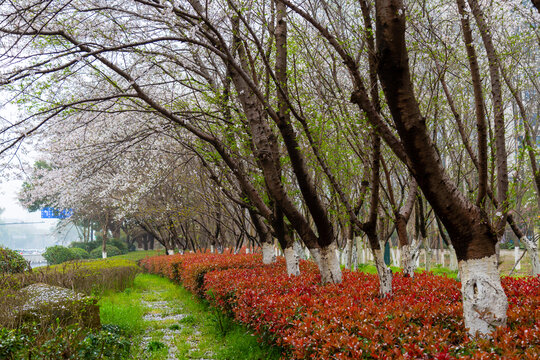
x,y
13,210
9,188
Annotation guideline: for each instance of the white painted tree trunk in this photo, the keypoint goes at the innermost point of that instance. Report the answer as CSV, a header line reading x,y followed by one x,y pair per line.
x,y
453,258
292,260
212,249
384,273
300,250
410,257
349,257
484,300
360,258
428,259
354,257
247,250
516,258
406,259
268,255
170,252
104,254
329,265
532,249
339,256
316,255
393,256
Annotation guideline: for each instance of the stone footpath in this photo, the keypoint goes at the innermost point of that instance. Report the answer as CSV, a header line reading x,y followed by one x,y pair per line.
x,y
171,332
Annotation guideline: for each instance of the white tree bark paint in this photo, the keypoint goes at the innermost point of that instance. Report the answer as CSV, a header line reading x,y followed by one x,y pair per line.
x,y
410,257
292,261
392,256
316,255
212,249
247,250
170,252
532,249
406,259
104,254
428,258
384,273
453,258
516,258
359,251
329,265
484,300
348,259
300,251
268,254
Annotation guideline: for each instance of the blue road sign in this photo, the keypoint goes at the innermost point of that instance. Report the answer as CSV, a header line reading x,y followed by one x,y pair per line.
x,y
52,213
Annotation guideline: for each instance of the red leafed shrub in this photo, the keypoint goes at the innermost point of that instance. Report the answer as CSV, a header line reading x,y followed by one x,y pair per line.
x,y
189,269
422,320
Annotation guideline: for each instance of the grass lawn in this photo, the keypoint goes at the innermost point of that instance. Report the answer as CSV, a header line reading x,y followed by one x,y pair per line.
x,y
177,322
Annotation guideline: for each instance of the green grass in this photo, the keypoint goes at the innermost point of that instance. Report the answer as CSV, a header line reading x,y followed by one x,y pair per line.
x,y
139,255
124,310
439,270
211,331
436,270
372,269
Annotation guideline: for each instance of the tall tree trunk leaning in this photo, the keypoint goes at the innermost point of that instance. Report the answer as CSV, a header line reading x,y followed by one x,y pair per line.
x,y
329,263
267,150
484,301
408,248
469,227
370,227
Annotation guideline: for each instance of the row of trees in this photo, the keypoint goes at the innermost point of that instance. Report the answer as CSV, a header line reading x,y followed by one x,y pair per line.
x,y
262,120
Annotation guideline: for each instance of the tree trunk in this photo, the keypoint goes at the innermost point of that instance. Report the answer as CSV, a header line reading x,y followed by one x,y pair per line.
x,y
316,255
428,254
484,300
532,249
292,261
360,251
409,257
268,256
350,246
469,228
267,149
104,237
384,273
329,265
453,258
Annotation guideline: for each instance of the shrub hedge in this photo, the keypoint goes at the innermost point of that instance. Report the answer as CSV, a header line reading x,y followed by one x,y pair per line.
x,y
12,262
111,251
89,277
422,320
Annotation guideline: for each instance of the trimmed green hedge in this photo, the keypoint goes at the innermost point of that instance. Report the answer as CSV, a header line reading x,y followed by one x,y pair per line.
x,y
111,251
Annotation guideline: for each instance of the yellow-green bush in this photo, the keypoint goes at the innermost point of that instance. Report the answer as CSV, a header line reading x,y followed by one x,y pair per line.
x,y
89,277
